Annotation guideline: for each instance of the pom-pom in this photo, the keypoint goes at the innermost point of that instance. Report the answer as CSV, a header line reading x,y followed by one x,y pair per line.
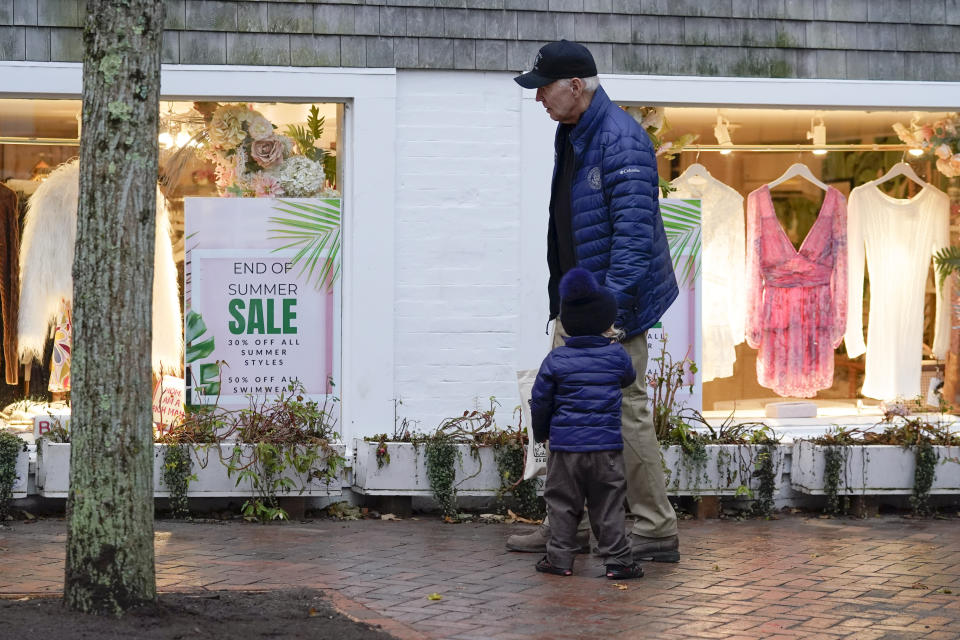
x,y
578,283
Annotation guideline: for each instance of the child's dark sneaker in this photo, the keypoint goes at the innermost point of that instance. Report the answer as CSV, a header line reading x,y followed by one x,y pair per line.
x,y
544,566
623,572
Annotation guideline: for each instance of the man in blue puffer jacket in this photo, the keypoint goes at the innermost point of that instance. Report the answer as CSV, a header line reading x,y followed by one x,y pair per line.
x,y
604,217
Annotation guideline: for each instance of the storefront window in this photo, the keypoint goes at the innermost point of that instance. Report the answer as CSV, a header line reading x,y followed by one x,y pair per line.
x,y
797,349
274,151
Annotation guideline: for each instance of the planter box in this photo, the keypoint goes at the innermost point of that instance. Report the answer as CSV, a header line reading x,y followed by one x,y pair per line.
x,y
872,469
53,469
210,467
406,473
23,471
53,473
43,423
727,470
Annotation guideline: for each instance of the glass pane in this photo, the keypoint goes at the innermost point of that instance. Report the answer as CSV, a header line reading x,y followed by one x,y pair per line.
x,y
36,136
248,149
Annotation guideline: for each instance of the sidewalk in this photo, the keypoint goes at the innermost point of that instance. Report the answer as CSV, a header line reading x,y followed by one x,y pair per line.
x,y
791,578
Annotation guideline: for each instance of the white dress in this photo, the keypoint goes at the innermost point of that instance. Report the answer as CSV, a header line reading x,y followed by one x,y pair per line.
x,y
898,238
723,265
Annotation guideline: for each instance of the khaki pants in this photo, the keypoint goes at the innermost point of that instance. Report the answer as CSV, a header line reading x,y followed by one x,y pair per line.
x,y
646,486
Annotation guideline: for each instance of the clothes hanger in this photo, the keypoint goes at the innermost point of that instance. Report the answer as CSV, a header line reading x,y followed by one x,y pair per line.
x,y
696,172
901,168
801,170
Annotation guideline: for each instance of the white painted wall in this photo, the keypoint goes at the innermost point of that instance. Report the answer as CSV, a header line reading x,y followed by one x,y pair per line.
x,y
465,237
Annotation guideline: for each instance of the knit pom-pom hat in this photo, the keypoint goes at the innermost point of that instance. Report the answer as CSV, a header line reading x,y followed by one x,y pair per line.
x,y
586,308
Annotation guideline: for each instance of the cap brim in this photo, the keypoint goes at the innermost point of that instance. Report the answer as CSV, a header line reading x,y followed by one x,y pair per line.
x,y
533,80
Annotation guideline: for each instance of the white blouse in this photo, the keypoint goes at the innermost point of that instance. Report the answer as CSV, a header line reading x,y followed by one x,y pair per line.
x,y
723,298
898,239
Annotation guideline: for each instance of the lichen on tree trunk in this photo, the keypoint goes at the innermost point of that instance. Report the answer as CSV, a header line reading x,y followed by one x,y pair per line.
x,y
110,557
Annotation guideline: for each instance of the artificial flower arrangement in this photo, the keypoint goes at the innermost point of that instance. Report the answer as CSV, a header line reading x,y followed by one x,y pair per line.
x,y
253,160
942,138
655,124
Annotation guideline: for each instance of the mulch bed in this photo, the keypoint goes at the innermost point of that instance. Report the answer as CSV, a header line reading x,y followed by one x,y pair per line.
x,y
210,614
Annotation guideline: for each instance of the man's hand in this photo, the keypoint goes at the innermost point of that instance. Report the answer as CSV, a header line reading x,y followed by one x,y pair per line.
x,y
615,333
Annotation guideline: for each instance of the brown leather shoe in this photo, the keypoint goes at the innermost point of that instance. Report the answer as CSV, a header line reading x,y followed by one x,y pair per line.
x,y
655,549
536,541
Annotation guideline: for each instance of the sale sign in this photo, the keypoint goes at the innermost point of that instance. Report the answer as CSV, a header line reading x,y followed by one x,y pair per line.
x,y
256,321
168,401
44,423
678,333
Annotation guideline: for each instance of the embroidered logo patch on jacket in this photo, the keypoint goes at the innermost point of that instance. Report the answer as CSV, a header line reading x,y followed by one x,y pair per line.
x,y
593,179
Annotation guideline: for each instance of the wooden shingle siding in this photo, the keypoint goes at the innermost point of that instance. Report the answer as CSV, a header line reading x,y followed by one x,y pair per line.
x,y
854,39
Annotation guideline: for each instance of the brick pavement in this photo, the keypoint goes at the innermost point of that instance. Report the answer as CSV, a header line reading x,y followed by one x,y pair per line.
x,y
789,578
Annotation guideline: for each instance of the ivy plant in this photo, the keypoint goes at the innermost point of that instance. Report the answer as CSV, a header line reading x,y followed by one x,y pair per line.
x,y
915,434
442,454
10,447
510,458
176,476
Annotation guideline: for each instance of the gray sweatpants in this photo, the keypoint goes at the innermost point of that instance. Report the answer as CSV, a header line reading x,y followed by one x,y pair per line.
x,y
597,478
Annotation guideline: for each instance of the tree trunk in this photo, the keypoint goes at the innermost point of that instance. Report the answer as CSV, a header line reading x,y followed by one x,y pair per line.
x,y
110,558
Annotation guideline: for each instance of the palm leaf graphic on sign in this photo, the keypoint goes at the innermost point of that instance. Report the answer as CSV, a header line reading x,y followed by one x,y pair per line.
x,y
681,219
197,349
314,230
948,261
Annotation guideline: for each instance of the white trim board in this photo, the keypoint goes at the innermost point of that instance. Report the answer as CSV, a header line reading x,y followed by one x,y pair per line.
x,y
314,83
65,80
775,92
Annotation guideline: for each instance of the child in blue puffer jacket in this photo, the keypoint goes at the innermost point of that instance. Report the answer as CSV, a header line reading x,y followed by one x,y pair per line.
x,y
575,405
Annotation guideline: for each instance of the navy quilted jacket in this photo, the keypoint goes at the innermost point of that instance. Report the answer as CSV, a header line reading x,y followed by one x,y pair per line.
x,y
576,397
618,233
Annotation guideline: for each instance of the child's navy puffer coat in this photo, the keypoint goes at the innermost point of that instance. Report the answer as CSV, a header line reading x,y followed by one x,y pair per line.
x,y
576,397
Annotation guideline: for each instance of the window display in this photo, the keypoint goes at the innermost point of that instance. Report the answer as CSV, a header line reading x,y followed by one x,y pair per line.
x,y
207,149
46,279
898,238
797,277
724,285
254,160
796,298
9,279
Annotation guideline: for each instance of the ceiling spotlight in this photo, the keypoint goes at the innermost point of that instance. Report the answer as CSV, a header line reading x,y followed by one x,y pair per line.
x,y
722,132
183,137
915,151
165,140
818,133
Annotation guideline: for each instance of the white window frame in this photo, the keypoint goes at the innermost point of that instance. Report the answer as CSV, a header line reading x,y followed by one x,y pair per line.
x,y
788,93
369,156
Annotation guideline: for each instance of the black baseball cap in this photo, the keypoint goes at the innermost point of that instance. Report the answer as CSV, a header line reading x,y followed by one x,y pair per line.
x,y
558,60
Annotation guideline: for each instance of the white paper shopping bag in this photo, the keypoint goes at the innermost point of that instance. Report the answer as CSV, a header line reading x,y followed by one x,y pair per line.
x,y
536,463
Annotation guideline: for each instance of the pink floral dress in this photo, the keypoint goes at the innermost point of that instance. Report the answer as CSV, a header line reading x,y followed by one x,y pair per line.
x,y
796,299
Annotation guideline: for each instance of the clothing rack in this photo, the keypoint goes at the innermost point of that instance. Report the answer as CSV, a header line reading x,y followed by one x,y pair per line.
x,y
56,142
788,148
